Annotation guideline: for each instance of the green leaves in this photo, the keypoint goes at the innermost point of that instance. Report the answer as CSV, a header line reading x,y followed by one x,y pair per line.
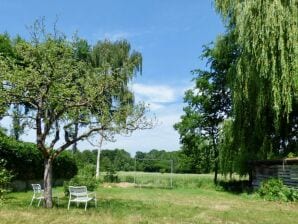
x,y
264,80
208,104
59,84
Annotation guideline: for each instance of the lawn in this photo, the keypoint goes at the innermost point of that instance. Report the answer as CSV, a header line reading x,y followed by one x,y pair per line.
x,y
153,205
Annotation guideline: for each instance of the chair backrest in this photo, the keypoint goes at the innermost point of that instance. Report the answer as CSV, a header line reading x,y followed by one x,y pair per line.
x,y
78,191
36,188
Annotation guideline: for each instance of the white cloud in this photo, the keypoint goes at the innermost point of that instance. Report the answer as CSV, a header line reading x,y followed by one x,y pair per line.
x,y
154,93
163,136
114,35
156,106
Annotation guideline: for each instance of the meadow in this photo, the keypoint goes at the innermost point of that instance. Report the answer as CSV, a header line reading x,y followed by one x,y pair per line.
x,y
194,199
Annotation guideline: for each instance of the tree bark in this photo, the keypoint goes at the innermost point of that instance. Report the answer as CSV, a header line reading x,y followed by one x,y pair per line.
x,y
48,173
215,159
215,171
76,132
98,158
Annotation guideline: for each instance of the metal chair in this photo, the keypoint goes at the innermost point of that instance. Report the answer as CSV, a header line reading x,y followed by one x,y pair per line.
x,y
38,194
80,194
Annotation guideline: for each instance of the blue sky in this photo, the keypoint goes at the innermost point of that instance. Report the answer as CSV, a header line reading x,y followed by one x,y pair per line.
x,y
169,34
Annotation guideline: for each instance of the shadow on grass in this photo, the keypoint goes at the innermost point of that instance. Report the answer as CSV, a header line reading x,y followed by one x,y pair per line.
x,y
236,186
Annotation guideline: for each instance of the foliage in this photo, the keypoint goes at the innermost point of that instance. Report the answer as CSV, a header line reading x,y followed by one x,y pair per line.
x,y
120,160
228,155
85,177
56,90
264,84
208,104
5,178
275,190
111,176
26,162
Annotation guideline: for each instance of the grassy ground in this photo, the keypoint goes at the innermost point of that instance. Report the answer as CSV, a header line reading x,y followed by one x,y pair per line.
x,y
146,205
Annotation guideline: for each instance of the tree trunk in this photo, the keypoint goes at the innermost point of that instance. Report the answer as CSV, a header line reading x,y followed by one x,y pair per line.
x,y
76,132
48,164
215,159
98,158
215,171
97,164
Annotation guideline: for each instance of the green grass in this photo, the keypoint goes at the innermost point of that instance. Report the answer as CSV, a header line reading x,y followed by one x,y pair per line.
x,y
163,180
154,205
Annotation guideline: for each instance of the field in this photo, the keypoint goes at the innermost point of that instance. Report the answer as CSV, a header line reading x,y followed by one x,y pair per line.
x,y
122,203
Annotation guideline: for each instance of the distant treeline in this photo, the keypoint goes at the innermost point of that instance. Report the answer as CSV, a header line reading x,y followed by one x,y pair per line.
x,y
121,160
26,162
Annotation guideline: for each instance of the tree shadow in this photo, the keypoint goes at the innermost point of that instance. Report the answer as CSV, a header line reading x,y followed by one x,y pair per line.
x,y
236,186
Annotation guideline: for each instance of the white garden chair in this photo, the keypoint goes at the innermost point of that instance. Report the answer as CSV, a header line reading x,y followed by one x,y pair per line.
x,y
38,194
80,194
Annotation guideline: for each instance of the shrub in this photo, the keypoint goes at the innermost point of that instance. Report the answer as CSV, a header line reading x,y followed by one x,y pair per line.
x,y
27,163
111,176
5,178
85,177
275,190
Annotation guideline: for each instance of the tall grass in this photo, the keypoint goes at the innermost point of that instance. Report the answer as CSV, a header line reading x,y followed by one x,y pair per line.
x,y
167,180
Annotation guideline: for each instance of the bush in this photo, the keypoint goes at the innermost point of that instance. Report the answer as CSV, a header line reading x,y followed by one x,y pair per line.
x,y
90,182
275,190
27,163
85,177
111,176
5,178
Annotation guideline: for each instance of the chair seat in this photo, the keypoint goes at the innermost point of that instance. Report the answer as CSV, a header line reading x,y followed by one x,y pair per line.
x,y
82,199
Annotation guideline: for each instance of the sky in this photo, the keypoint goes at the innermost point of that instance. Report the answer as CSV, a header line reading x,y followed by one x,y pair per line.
x,y
170,35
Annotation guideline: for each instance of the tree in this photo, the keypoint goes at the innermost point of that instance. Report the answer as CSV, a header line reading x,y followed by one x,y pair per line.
x,y
116,59
61,91
7,50
266,76
209,103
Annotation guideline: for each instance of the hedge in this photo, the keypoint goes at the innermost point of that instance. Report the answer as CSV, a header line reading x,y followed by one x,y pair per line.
x,y
26,162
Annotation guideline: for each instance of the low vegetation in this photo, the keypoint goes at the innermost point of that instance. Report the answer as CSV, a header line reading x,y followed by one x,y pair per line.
x,y
275,190
5,178
122,203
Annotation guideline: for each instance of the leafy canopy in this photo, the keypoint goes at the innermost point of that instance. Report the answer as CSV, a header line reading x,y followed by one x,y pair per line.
x,y
57,89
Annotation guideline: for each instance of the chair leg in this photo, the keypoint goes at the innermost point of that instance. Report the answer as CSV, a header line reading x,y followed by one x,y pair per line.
x,y
39,202
68,205
86,205
31,201
95,202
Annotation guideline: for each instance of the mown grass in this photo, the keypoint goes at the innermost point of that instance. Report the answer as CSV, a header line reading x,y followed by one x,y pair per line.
x,y
154,205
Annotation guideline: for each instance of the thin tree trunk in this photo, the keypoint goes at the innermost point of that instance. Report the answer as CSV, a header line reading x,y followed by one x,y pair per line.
x,y
98,158
215,159
215,171
48,164
76,131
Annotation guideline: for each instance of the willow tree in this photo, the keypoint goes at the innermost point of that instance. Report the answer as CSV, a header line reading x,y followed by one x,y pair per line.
x,y
56,91
265,81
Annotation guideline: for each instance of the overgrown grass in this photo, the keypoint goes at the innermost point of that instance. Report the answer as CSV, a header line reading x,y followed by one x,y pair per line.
x,y
167,180
154,205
